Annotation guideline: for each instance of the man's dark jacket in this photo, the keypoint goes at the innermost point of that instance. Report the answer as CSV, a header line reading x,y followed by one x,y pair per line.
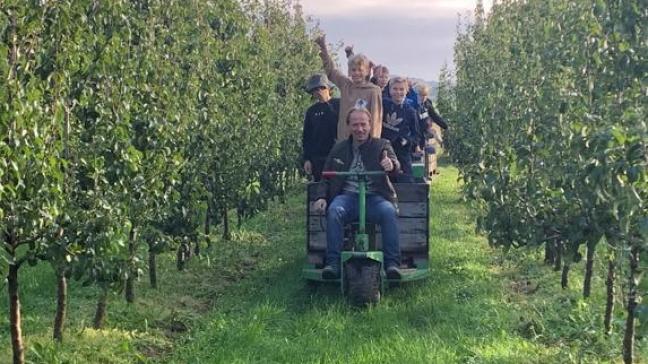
x,y
371,152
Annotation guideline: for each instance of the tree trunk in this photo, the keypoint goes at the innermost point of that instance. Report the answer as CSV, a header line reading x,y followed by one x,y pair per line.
x,y
550,252
609,304
558,248
14,315
10,240
564,279
197,248
152,262
61,304
226,230
628,337
208,227
589,269
282,189
100,312
129,291
181,256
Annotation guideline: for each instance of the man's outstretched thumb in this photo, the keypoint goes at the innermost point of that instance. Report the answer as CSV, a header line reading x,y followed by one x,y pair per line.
x,y
384,154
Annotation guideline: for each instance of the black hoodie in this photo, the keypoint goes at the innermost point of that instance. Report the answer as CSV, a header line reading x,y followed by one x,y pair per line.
x,y
320,129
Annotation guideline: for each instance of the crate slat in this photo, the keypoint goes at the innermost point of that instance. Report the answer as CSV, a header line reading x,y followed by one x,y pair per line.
x,y
406,192
406,225
408,242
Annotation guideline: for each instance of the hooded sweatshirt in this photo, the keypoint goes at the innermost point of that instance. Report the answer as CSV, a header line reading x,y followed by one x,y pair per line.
x,y
399,126
320,129
350,93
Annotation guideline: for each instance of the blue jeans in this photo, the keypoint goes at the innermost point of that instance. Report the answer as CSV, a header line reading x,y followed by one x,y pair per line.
x,y
344,210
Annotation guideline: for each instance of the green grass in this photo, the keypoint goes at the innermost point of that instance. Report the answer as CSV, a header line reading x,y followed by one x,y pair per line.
x,y
248,304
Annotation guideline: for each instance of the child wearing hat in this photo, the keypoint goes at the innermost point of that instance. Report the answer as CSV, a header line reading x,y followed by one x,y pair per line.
x,y
320,125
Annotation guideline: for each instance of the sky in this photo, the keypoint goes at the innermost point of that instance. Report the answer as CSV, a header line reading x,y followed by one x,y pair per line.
x,y
413,38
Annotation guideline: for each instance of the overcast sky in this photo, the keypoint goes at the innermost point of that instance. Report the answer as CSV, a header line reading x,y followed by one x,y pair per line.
x,y
411,37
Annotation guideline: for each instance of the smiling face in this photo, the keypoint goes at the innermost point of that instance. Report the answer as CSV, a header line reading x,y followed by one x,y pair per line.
x,y
359,124
358,72
398,91
359,68
382,76
382,80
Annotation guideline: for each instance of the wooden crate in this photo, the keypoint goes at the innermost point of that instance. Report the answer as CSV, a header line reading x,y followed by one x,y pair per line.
x,y
413,213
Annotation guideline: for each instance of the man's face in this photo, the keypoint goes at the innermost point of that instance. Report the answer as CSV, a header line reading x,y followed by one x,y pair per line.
x,y
398,92
360,126
358,73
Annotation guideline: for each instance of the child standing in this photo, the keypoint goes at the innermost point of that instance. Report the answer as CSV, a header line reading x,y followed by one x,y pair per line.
x,y
400,125
431,122
352,89
320,125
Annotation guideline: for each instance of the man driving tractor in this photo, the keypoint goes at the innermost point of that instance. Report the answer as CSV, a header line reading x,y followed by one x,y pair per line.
x,y
359,153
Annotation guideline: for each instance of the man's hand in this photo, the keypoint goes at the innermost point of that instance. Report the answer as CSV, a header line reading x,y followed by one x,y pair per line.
x,y
386,163
308,167
320,205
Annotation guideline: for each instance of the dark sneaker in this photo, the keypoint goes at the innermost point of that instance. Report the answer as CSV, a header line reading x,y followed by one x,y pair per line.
x,y
393,272
330,272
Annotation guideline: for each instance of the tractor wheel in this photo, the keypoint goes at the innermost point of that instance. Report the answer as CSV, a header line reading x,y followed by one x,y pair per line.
x,y
363,282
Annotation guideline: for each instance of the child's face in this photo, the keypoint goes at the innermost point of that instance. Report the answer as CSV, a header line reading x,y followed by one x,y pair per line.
x,y
358,73
322,94
398,91
421,98
382,79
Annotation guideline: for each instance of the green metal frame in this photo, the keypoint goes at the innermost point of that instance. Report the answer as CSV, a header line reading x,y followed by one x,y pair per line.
x,y
361,244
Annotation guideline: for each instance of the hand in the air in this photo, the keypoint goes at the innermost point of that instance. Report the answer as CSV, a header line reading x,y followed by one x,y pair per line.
x,y
308,167
348,50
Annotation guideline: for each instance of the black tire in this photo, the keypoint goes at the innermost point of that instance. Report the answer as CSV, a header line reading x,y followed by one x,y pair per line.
x,y
363,282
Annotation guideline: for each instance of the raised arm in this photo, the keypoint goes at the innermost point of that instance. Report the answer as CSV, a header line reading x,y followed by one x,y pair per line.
x,y
434,115
376,111
337,77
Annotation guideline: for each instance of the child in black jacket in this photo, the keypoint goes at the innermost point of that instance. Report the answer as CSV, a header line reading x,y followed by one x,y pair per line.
x,y
400,125
320,126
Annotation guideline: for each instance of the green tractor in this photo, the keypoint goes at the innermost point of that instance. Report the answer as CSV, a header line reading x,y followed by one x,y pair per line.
x,y
363,278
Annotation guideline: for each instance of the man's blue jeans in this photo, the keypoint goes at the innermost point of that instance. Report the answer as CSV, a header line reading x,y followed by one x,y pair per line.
x,y
344,210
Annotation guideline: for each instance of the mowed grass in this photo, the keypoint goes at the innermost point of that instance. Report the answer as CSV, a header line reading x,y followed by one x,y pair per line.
x,y
247,303
458,315
475,308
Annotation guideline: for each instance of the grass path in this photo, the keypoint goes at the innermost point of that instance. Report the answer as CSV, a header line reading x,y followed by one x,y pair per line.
x,y
459,315
247,303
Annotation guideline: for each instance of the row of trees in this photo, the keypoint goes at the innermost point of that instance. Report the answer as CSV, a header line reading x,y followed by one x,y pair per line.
x,y
133,126
549,99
